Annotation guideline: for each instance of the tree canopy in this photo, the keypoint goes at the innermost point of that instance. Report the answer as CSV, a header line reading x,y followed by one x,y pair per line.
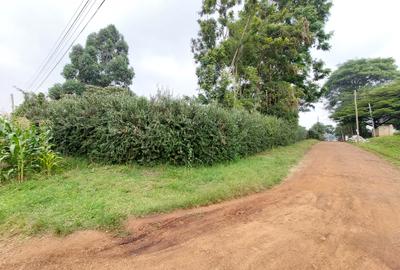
x,y
385,105
318,131
372,79
256,54
102,62
356,74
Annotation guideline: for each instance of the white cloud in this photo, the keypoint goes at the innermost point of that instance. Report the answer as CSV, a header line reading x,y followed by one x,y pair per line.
x,y
10,58
162,66
169,72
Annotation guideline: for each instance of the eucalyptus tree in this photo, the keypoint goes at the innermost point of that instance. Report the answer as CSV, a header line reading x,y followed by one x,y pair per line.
x,y
257,53
103,61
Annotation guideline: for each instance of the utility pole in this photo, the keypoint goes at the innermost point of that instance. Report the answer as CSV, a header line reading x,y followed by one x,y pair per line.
x,y
372,119
356,109
12,97
343,137
12,103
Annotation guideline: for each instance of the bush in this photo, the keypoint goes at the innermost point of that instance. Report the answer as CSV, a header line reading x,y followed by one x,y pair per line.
x,y
24,148
34,107
120,127
317,131
301,133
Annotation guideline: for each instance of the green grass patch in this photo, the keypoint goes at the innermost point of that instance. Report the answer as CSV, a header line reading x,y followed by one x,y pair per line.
x,y
94,196
386,147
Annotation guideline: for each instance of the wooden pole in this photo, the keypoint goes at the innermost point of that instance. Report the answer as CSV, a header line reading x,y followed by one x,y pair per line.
x,y
372,119
356,109
12,103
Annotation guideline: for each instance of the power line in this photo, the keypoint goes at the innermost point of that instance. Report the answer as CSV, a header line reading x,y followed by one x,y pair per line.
x,y
79,23
59,42
58,62
47,62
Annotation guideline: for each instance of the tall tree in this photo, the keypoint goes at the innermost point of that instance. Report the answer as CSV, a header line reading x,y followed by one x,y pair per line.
x,y
356,74
102,62
256,54
385,106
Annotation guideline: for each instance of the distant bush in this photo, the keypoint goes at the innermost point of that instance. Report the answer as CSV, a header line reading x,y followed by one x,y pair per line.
x,y
301,133
120,127
34,107
317,131
24,148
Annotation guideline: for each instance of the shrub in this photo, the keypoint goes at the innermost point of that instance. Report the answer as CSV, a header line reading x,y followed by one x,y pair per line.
x,y
119,127
317,131
301,133
23,149
34,107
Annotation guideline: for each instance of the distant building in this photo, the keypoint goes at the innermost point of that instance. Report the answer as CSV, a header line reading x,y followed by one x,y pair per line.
x,y
385,130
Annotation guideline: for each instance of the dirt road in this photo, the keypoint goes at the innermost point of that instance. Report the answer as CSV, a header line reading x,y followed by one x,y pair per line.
x,y
340,209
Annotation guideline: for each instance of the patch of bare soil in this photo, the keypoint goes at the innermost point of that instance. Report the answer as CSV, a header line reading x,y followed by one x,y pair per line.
x,y
339,210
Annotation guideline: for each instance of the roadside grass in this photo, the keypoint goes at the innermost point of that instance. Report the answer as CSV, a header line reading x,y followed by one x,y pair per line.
x,y
94,196
386,147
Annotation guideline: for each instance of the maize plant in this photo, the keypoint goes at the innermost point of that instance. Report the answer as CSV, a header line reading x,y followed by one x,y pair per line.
x,y
48,159
25,150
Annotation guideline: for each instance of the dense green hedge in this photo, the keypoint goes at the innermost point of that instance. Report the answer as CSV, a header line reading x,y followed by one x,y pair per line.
x,y
120,128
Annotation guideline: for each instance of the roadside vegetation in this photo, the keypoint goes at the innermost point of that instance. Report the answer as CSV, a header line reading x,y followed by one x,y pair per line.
x,y
25,149
240,134
386,147
93,196
376,81
119,127
319,131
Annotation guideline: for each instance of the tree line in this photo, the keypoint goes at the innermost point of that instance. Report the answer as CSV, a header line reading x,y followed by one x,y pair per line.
x,y
376,81
253,55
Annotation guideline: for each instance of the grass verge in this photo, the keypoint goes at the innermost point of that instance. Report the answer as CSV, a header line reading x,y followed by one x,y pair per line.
x,y
386,147
93,196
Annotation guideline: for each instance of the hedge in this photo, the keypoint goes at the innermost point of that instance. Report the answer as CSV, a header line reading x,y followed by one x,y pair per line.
x,y
120,128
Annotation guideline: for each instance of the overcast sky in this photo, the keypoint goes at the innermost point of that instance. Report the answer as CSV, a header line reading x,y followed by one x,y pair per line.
x,y
158,33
